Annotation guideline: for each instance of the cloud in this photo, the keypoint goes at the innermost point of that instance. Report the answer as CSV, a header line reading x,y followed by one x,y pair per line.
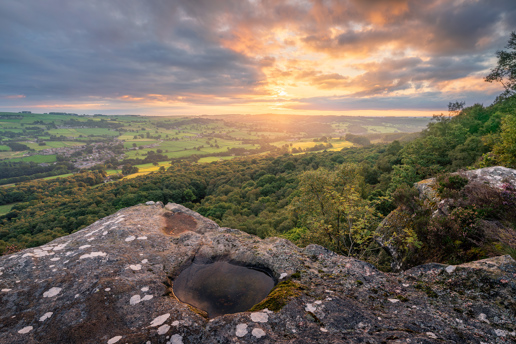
x,y
115,50
433,27
14,96
425,101
224,52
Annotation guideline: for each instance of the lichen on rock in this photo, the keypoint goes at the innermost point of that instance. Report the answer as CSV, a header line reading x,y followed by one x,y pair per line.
x,y
101,299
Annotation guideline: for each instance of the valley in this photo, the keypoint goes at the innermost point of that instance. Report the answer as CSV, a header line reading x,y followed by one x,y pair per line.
x,y
39,146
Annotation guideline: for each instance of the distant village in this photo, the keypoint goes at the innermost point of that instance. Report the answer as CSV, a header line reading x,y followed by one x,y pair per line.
x,y
98,155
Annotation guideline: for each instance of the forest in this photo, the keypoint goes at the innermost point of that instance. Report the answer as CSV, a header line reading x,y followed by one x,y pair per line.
x,y
334,197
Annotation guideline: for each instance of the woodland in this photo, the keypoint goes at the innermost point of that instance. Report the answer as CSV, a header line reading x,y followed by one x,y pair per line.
x,y
333,198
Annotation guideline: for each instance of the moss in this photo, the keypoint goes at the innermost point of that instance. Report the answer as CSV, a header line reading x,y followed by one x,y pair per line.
x,y
296,275
402,298
279,296
425,288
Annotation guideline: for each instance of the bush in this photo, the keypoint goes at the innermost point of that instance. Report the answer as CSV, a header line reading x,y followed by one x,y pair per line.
x,y
450,184
473,221
406,197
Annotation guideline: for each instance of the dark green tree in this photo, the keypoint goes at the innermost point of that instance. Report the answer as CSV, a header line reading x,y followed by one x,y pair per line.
x,y
505,70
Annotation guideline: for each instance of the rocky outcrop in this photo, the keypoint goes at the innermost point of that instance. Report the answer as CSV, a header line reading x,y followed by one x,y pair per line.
x,y
397,222
112,283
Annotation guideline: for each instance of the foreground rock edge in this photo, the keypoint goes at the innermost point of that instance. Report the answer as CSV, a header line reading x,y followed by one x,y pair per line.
x,y
110,283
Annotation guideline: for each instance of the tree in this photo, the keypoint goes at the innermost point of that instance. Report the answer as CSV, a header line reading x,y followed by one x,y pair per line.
x,y
456,107
505,70
333,212
506,147
128,169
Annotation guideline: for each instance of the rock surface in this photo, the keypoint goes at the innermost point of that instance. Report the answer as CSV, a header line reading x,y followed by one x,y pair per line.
x,y
394,224
111,283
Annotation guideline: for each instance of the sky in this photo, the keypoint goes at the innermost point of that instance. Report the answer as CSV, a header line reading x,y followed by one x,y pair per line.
x,y
207,57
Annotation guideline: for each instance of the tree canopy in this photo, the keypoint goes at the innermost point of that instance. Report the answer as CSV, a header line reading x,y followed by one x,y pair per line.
x,y
505,70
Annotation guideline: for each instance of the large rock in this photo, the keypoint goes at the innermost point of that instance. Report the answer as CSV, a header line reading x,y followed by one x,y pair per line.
x,y
394,224
111,283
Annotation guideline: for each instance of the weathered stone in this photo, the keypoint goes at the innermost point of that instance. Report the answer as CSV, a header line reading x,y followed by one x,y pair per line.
x,y
394,224
114,290
495,176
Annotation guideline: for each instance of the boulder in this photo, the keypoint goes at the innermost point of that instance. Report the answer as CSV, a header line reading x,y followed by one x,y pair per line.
x,y
394,224
112,282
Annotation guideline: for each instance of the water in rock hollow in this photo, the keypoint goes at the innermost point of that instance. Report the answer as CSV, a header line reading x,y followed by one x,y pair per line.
x,y
222,288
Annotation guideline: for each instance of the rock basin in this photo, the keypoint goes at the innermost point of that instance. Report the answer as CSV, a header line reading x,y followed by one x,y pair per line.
x,y
221,287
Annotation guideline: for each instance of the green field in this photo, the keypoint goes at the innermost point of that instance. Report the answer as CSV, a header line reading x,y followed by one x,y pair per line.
x,y
337,144
59,176
11,156
53,144
214,158
83,132
207,138
381,129
36,158
4,209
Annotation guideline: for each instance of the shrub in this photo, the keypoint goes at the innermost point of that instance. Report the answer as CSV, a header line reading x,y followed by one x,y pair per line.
x,y
406,197
449,185
472,221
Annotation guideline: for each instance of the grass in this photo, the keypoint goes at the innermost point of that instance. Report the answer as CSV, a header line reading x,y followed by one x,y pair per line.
x,y
340,145
214,158
97,132
243,135
337,145
4,209
139,142
53,144
63,132
9,155
59,176
83,131
191,136
143,169
185,148
381,129
37,159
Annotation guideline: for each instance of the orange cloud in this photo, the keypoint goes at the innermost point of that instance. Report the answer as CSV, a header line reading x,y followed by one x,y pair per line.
x,y
261,55
15,96
471,83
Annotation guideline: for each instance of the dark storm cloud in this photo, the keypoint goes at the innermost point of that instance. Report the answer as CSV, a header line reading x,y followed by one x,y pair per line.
x,y
98,48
